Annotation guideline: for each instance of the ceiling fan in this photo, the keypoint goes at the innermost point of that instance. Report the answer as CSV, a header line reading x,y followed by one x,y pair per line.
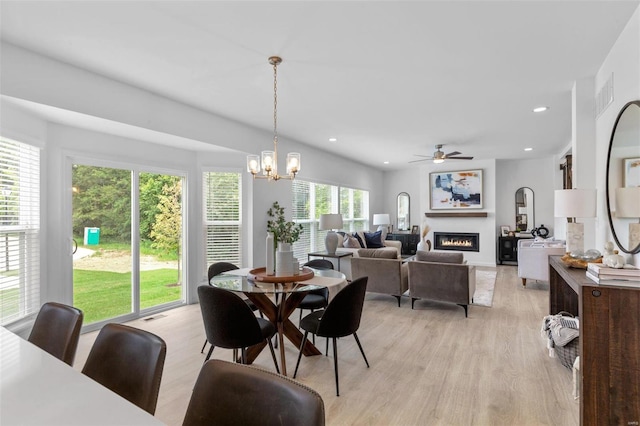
x,y
439,156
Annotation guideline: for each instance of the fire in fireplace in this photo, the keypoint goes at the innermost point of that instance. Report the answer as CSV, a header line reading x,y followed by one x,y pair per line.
x,y
457,241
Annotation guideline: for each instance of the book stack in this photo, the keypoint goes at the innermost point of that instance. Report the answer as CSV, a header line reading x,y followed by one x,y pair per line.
x,y
627,276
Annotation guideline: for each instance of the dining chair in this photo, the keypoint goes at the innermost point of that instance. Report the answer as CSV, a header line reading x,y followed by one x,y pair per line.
x,y
57,330
233,394
229,322
340,318
129,361
316,299
218,268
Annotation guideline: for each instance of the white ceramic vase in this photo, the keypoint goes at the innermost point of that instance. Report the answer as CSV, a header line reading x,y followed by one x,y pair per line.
x,y
284,260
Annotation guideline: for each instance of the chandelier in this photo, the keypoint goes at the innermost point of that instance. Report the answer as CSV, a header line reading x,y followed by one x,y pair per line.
x,y
268,161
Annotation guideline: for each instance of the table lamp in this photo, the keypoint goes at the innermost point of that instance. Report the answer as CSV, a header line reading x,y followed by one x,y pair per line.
x,y
573,203
628,206
329,222
383,221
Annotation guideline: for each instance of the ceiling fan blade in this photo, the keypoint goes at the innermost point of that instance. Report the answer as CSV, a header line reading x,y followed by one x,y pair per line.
x,y
425,156
452,153
416,161
460,158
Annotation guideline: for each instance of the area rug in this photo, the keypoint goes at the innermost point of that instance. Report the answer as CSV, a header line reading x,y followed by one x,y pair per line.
x,y
485,283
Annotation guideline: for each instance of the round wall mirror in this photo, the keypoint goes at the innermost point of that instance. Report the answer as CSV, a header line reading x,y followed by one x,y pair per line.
x,y
623,179
404,205
525,220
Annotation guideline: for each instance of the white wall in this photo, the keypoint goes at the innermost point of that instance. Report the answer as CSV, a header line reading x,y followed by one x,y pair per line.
x,y
624,62
537,174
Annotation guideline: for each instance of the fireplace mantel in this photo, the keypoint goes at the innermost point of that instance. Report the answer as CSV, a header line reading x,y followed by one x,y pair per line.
x,y
456,214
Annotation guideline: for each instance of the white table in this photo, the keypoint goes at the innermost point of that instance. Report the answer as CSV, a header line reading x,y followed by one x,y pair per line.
x,y
38,389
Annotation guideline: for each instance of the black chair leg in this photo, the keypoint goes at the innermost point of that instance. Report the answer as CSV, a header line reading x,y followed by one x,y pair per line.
x,y
465,309
398,297
304,340
273,355
326,349
209,354
335,364
203,346
361,350
412,302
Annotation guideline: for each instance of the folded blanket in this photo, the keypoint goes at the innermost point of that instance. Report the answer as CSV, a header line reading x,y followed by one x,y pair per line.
x,y
559,330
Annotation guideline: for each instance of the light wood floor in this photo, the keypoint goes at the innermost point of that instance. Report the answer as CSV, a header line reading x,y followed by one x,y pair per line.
x,y
429,366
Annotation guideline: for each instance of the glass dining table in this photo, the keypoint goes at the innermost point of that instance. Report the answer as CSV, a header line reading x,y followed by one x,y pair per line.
x,y
277,301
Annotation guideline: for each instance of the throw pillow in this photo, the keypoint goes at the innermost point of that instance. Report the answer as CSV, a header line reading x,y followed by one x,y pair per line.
x,y
350,242
373,239
359,235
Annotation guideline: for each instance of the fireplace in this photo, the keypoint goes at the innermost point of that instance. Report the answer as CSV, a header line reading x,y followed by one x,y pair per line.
x,y
457,241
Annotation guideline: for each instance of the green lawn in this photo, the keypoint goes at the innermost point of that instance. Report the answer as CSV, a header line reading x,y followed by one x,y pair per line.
x,y
101,294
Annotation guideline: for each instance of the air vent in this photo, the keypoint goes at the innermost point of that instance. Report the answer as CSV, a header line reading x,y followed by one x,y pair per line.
x,y
155,317
604,97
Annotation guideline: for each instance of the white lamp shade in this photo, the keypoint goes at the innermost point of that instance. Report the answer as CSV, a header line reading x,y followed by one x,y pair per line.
x,y
330,221
575,203
381,219
628,202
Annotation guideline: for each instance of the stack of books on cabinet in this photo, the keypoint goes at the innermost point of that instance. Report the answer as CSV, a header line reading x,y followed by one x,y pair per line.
x,y
628,276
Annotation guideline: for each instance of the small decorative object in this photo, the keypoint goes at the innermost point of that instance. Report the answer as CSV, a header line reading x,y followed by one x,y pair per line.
x,y
504,231
424,244
512,234
270,269
541,231
415,229
579,260
284,233
611,257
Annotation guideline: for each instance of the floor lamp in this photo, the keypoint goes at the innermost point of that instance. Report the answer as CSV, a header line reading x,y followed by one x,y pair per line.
x,y
628,206
573,203
329,222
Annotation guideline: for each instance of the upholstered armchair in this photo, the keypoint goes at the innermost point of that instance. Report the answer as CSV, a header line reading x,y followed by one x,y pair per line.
x,y
443,277
387,274
533,258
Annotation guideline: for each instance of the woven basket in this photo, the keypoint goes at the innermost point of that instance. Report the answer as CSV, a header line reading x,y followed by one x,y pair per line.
x,y
567,354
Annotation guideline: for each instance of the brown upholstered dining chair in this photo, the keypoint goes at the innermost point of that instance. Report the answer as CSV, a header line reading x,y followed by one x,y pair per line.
x,y
129,361
340,318
229,322
57,330
234,394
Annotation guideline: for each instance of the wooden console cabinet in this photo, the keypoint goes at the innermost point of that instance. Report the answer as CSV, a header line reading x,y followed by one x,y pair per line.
x,y
508,249
609,344
409,242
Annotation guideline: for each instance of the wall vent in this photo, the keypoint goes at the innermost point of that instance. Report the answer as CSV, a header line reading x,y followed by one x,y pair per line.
x,y
604,97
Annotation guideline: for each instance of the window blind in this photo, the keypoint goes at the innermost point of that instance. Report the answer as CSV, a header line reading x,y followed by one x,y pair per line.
x,y
19,230
223,218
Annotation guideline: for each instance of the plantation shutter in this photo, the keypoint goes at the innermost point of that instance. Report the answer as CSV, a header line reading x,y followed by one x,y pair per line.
x,y
223,217
19,230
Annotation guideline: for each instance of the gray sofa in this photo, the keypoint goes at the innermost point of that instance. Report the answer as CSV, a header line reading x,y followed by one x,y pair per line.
x,y
443,277
387,274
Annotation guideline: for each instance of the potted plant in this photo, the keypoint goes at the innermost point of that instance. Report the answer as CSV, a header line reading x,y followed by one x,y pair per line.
x,y
284,232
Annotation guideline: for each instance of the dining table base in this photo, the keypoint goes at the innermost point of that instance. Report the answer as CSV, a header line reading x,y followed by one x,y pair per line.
x,y
279,315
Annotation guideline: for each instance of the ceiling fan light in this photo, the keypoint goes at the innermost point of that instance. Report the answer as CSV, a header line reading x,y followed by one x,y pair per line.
x,y
438,160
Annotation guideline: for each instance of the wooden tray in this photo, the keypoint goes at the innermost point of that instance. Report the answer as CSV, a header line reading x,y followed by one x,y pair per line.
x,y
259,274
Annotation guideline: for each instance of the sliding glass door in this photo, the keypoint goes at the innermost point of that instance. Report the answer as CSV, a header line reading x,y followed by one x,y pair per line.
x,y
127,231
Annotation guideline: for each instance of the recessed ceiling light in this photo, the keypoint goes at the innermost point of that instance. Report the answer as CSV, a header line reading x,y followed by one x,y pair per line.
x,y
333,140
528,149
540,109
385,162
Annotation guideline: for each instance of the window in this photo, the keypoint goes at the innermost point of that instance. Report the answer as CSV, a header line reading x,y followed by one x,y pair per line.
x,y
223,217
19,230
310,200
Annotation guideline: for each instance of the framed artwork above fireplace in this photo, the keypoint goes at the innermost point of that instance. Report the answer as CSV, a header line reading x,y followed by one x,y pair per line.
x,y
458,190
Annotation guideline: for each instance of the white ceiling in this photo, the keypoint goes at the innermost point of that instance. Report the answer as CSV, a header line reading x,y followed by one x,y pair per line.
x,y
388,79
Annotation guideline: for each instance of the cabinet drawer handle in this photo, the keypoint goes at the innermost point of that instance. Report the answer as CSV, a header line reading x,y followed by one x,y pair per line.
x,y
596,293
